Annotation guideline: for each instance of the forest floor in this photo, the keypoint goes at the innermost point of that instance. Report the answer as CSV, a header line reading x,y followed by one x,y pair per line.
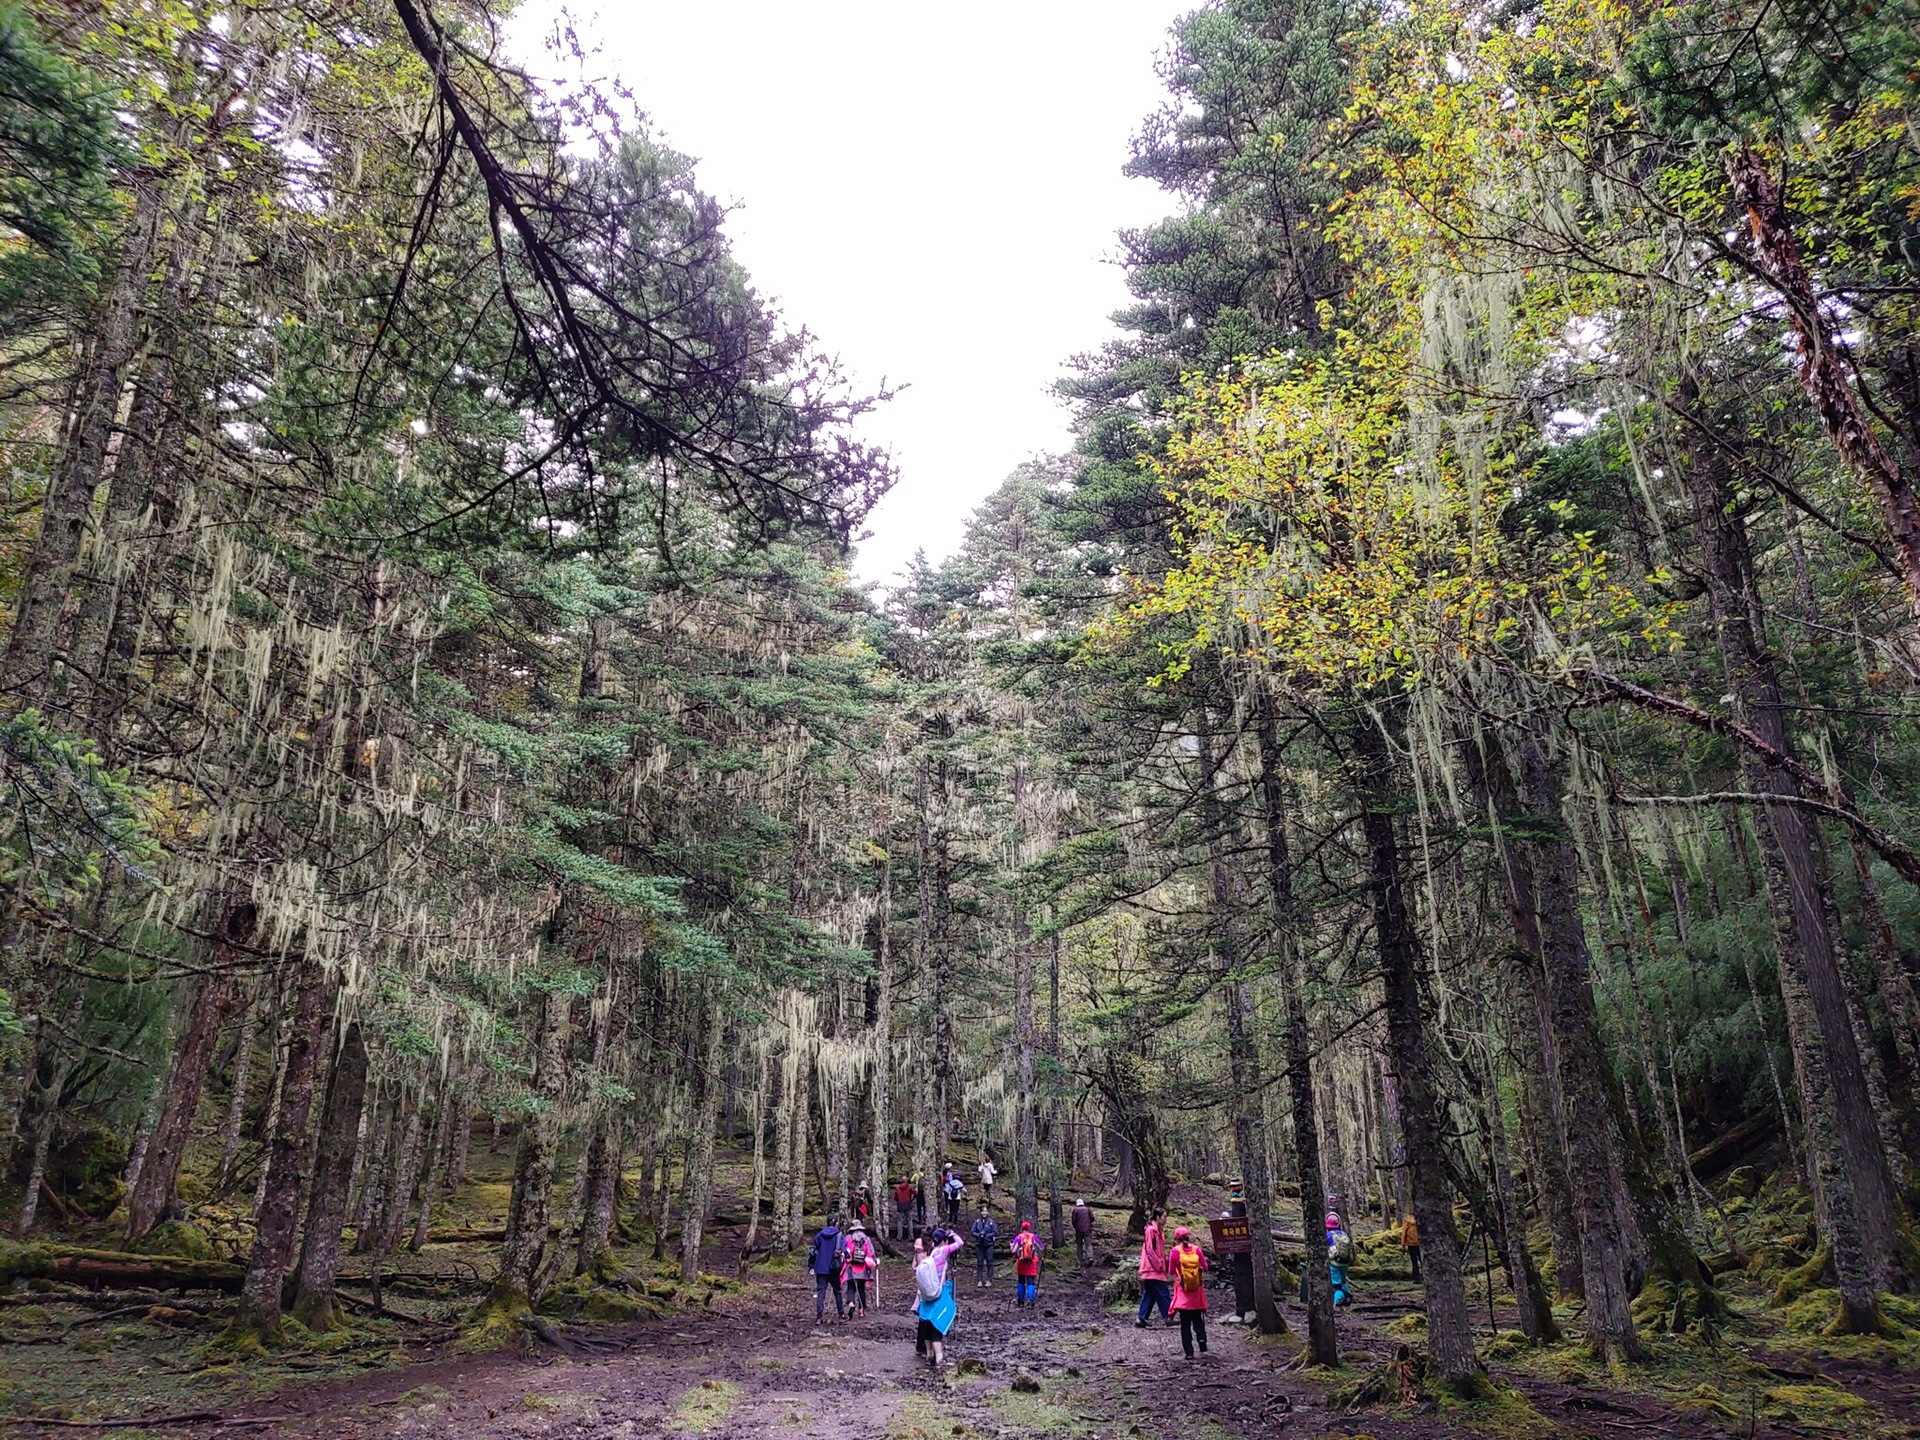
x,y
741,1358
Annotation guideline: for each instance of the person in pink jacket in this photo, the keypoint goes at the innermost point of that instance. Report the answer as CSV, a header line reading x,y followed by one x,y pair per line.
x,y
1187,1263
1154,1287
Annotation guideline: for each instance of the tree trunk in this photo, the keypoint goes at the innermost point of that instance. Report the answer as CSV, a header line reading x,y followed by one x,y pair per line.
x,y
286,1160
603,1193
1026,1147
1583,1063
462,1141
406,1174
1423,1114
1233,910
693,1216
1849,1171
1529,1290
313,1303
430,1178
68,504
152,1194
1055,1136
1322,1344
881,1084
237,1100
529,1206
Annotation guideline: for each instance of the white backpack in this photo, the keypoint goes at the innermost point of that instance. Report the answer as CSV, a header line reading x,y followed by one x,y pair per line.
x,y
928,1280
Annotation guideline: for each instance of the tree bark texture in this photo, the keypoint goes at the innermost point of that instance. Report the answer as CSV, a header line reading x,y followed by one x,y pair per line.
x,y
530,1204
287,1157
1296,1043
1849,1171
1583,1064
152,1194
313,1303
1423,1114
693,1217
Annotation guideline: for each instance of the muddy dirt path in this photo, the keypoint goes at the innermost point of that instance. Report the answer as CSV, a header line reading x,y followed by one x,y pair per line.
x,y
756,1366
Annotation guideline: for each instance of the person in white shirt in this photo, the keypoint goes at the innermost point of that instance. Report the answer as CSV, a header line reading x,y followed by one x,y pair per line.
x,y
987,1174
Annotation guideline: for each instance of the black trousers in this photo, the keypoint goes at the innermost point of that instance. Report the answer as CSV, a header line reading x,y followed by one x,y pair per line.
x,y
1193,1326
1413,1255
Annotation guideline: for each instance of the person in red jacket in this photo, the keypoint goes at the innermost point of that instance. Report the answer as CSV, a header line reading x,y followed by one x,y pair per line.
x,y
903,1209
1026,1249
1187,1263
1155,1289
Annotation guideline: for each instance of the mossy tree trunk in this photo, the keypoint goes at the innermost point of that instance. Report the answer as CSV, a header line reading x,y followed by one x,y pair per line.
x,y
1295,1039
287,1158
529,1207
152,1195
706,1122
1423,1109
313,1302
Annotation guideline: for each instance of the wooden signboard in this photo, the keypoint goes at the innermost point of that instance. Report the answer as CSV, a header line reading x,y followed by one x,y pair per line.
x,y
1232,1237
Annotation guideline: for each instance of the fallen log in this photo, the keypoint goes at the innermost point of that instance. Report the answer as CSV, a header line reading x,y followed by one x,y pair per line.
x,y
467,1235
115,1269
1725,1151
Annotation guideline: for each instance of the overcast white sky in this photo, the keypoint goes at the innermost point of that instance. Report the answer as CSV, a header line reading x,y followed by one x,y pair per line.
x,y
933,190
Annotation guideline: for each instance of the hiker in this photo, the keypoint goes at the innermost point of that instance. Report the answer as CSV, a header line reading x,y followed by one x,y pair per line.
x,y
824,1260
1154,1286
1187,1263
1410,1242
1339,1256
1334,1222
903,1209
863,1204
951,1189
933,1298
987,1176
1026,1248
859,1265
986,1235
1083,1230
919,1202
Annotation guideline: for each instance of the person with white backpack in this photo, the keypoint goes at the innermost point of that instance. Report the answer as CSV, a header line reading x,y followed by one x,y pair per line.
x,y
933,1299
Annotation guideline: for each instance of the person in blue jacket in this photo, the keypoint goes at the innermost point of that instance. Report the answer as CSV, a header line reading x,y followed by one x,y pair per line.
x,y
824,1258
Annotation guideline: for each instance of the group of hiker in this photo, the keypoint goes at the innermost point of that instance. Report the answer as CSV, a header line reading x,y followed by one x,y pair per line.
x,y
910,1199
846,1265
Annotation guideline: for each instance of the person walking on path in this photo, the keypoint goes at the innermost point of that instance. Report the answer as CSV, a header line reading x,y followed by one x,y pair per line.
x,y
1155,1288
1188,1263
859,1266
1026,1248
933,1299
986,1239
903,1209
824,1259
952,1187
1083,1230
1410,1242
987,1176
919,1201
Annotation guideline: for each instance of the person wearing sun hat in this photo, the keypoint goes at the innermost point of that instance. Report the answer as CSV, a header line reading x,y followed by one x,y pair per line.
x,y
1187,1263
859,1266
